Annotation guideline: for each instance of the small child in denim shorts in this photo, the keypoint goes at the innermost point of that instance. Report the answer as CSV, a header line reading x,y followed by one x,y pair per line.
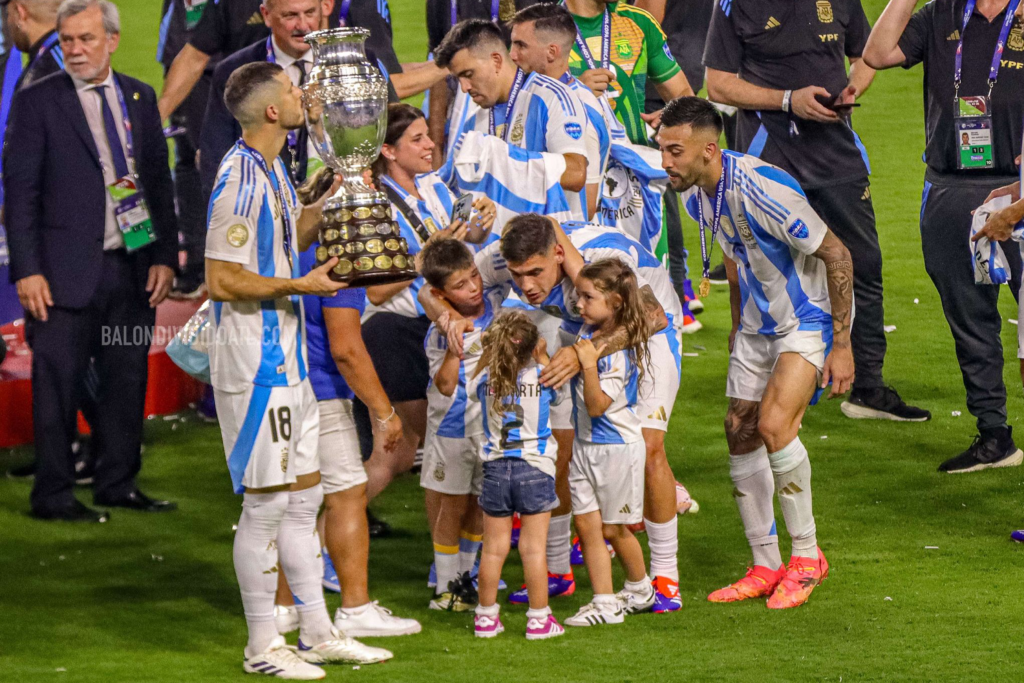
x,y
519,467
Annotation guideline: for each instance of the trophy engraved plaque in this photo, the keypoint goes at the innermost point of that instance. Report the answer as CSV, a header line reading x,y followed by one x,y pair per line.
x,y
346,103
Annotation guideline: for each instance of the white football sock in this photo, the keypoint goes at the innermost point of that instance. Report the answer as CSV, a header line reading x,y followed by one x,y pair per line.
x,y
469,546
489,610
560,544
446,562
792,471
606,599
356,611
255,558
538,613
641,587
300,559
663,540
754,491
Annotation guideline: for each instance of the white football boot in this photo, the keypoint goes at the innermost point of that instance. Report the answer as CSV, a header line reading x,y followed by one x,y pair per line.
x,y
342,650
374,621
635,603
594,613
281,661
286,619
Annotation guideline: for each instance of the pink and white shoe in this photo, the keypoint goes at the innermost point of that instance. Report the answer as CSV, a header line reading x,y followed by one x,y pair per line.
x,y
487,627
540,629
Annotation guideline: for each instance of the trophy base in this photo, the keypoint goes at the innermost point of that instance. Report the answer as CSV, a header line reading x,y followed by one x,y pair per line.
x,y
359,231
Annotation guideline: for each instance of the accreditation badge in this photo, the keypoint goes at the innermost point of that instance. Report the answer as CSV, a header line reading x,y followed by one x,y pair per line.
x,y
973,128
132,214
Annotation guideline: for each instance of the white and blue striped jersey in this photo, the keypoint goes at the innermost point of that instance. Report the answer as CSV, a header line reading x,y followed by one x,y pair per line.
x,y
597,137
594,242
548,117
434,209
618,378
255,342
631,191
771,232
524,429
455,416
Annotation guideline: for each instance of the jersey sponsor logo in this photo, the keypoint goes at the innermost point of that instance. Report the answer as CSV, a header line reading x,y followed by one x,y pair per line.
x,y
667,51
867,194
772,23
799,230
824,11
829,37
1015,41
238,235
659,414
1011,65
573,130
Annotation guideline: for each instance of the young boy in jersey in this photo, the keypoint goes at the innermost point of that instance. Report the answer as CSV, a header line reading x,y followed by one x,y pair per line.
x,y
792,299
451,454
519,455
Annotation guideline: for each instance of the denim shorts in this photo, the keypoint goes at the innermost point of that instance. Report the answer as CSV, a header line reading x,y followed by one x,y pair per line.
x,y
514,485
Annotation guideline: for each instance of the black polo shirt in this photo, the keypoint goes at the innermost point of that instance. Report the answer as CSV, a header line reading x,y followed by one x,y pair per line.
x,y
686,25
932,37
788,45
439,15
230,25
40,66
177,20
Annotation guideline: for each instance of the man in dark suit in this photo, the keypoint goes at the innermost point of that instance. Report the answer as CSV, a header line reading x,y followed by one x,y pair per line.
x,y
88,265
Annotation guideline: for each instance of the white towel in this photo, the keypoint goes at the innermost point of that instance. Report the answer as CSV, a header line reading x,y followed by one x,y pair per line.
x,y
516,180
990,266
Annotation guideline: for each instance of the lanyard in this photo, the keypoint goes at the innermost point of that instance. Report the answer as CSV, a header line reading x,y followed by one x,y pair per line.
x,y
346,5
455,11
993,71
716,222
606,43
286,217
47,46
293,135
517,86
130,157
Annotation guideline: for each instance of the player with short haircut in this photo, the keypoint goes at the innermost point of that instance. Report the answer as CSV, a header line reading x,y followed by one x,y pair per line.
x,y
532,111
542,37
266,406
538,262
791,282
452,468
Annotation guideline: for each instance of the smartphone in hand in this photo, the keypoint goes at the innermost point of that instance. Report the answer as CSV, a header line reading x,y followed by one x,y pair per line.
x,y
463,208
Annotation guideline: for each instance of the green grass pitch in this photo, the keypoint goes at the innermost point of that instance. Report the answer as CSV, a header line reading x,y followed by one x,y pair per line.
x,y
154,598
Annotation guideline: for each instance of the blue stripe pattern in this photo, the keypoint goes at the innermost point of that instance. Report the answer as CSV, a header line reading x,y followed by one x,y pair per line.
x,y
242,450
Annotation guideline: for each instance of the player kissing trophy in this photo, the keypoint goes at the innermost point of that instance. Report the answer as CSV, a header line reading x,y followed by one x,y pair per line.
x,y
346,102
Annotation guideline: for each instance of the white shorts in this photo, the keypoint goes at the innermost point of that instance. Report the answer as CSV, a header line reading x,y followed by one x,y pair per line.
x,y
270,434
452,466
609,478
754,356
561,413
661,381
341,461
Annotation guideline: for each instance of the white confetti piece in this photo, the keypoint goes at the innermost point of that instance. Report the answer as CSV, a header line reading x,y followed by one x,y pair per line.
x,y
234,527
699,347
61,558
157,558
356,667
889,328
916,300
1012,321
61,670
824,436
888,598
956,413
691,355
931,547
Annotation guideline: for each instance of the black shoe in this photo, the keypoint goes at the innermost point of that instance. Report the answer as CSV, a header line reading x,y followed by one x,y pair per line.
x,y
26,472
462,588
76,513
378,527
882,403
137,500
990,449
718,276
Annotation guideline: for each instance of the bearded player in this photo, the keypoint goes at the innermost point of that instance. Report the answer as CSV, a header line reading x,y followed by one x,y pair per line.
x,y
791,289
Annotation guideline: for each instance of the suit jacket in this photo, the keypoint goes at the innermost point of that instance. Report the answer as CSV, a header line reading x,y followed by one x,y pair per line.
x,y
55,195
221,131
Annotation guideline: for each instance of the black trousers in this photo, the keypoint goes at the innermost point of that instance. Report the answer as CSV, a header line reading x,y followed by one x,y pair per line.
x,y
188,191
848,212
971,310
114,330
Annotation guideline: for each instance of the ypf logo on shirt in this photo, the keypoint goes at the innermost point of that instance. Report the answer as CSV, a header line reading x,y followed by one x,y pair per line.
x,y
574,130
799,230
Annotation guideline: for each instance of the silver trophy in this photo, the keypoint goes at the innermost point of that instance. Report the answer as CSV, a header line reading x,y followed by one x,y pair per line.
x,y
346,102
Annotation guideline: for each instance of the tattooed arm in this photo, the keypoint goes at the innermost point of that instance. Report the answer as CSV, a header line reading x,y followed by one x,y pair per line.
x,y
565,364
839,270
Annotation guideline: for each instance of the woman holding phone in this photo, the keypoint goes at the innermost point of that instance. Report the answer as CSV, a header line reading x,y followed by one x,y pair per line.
x,y
395,325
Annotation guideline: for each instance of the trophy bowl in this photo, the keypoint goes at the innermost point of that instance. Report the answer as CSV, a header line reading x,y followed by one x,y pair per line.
x,y
346,105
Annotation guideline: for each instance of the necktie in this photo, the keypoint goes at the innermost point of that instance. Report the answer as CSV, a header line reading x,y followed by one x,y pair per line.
x,y
113,139
302,71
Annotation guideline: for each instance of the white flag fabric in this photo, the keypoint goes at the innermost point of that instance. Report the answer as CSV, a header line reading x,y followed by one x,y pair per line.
x,y
632,189
516,180
990,266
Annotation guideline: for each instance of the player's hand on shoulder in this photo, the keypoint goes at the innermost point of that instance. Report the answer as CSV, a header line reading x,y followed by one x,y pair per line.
x,y
587,353
839,370
454,328
564,365
805,104
318,281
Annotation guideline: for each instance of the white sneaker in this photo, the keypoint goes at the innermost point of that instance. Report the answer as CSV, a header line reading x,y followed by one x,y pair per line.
x,y
281,661
594,613
342,650
374,621
286,619
635,603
